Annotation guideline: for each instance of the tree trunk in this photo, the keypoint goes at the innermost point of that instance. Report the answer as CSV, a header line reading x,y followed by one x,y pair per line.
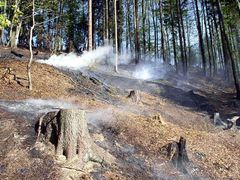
x,y
213,51
73,138
90,26
185,68
4,12
162,32
180,36
128,33
116,36
173,39
143,24
30,48
238,3
17,34
67,130
177,154
206,36
200,37
137,43
227,49
106,14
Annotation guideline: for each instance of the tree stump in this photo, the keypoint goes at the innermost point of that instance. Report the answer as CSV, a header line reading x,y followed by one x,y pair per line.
x,y
134,96
177,154
73,137
67,130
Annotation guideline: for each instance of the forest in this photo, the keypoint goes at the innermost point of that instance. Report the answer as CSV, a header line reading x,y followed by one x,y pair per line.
x,y
186,34
119,89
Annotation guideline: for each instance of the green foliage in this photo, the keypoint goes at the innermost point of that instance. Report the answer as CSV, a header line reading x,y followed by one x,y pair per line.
x,y
2,4
4,22
17,14
230,12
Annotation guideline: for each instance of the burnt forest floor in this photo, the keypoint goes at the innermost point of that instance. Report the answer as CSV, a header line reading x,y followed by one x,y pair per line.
x,y
134,133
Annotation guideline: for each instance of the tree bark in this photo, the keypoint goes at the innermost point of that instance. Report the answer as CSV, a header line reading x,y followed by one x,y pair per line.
x,y
227,50
173,38
180,36
162,31
67,130
107,26
18,28
200,37
30,47
90,26
137,43
4,12
206,36
143,24
116,35
73,138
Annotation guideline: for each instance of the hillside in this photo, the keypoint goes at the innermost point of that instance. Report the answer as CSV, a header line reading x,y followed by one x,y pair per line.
x,y
135,133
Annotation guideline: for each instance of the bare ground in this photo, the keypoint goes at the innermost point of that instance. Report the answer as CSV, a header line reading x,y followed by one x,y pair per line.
x,y
133,132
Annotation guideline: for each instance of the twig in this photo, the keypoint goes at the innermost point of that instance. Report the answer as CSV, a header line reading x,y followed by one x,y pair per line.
x,y
65,167
39,127
72,80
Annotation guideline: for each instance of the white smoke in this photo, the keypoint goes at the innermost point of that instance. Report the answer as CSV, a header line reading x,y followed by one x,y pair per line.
x,y
87,59
143,72
150,71
35,106
103,59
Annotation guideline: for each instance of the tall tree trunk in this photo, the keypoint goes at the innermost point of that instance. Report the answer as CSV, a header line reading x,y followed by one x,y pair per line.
x,y
116,35
162,31
206,36
154,28
185,69
18,29
90,26
5,13
137,43
180,36
149,32
143,24
128,33
168,53
30,47
107,28
219,50
13,29
238,3
200,38
213,52
226,46
174,40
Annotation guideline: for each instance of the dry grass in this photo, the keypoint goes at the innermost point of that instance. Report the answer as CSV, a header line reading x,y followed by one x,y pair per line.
x,y
47,82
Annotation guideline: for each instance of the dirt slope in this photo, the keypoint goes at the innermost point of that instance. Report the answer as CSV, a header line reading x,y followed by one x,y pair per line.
x,y
133,132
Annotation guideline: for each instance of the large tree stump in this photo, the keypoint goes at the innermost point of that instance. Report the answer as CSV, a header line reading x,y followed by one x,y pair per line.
x,y
73,137
67,130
